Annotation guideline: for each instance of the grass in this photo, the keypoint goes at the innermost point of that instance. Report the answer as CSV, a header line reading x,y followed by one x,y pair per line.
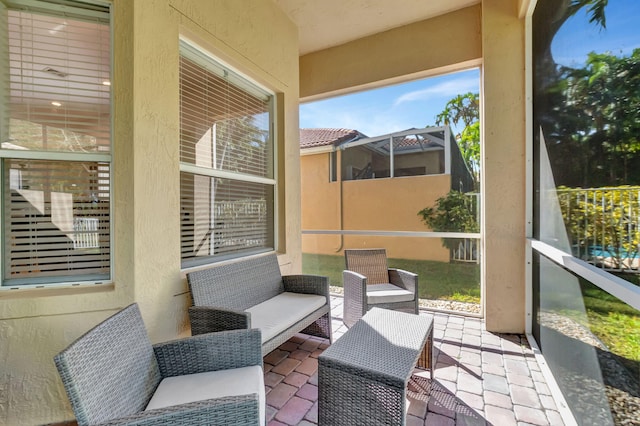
x,y
437,280
615,323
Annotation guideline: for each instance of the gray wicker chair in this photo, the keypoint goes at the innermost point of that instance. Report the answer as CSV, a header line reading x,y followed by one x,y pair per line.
x,y
369,282
111,373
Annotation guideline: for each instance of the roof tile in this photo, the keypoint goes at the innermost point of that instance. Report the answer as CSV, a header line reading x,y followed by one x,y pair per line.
x,y
321,137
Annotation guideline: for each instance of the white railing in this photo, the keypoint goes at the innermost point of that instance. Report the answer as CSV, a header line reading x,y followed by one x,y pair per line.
x,y
604,225
467,251
85,232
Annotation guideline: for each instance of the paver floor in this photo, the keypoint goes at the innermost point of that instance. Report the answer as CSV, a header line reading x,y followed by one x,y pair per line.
x,y
481,378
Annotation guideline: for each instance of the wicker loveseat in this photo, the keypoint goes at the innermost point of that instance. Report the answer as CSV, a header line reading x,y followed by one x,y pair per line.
x,y
113,375
252,293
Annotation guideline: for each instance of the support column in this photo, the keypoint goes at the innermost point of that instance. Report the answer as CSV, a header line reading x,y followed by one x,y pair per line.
x,y
503,158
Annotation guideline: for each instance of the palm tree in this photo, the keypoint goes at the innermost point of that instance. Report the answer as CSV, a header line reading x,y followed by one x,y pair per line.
x,y
466,109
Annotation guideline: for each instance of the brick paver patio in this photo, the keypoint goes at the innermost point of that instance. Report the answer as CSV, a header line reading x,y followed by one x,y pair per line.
x,y
480,378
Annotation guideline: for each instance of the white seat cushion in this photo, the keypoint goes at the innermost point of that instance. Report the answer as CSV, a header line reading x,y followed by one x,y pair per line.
x,y
275,315
387,293
212,384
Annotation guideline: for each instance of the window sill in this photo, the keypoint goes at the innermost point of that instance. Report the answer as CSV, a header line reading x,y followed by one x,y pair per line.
x,y
45,290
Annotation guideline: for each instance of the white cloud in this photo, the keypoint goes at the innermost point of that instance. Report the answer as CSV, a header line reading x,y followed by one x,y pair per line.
x,y
366,120
447,88
377,112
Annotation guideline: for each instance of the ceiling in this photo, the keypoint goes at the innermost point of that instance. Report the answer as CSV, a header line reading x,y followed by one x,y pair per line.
x,y
326,23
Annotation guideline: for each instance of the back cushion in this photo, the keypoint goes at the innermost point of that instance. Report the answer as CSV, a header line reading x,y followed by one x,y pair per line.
x,y
111,371
238,285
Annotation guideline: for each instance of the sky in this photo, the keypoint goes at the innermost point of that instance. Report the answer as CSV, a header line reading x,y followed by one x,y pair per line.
x,y
578,37
416,104
392,108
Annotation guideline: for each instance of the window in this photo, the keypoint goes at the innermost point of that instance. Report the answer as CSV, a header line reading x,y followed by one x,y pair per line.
x,y
55,142
586,203
227,182
333,166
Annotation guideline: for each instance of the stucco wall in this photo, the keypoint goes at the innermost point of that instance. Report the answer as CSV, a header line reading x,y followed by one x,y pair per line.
x,y
490,35
503,174
36,324
424,48
370,204
321,200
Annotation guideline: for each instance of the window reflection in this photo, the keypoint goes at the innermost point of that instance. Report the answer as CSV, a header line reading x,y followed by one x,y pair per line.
x,y
586,124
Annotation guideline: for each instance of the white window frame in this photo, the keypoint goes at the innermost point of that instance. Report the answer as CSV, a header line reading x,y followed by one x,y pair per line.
x,y
81,9
191,49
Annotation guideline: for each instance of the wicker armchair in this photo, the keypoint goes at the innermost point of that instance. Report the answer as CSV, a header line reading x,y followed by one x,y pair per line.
x,y
369,282
113,375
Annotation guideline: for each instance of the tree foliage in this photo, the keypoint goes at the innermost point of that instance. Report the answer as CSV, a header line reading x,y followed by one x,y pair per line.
x,y
455,212
595,10
465,109
592,128
589,114
603,224
462,108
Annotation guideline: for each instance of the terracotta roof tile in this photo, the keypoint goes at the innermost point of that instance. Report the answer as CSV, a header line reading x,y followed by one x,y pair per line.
x,y
321,137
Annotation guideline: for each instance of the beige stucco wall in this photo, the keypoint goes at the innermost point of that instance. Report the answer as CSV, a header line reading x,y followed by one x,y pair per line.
x,y
36,324
424,48
503,174
321,200
370,204
491,35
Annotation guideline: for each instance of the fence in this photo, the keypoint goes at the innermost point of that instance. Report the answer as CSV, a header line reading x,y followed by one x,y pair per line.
x,y
85,232
467,251
467,248
603,225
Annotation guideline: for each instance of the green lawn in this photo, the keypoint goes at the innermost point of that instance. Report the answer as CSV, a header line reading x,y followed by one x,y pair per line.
x,y
615,323
437,280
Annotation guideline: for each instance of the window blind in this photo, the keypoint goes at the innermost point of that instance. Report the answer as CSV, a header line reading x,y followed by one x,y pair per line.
x,y
56,221
56,211
59,77
223,218
226,154
223,126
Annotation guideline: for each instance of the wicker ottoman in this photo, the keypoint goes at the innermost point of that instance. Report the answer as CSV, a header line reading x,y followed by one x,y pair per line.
x,y
363,376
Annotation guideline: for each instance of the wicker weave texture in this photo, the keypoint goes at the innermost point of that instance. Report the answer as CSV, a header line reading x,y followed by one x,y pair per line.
x,y
206,319
110,371
209,352
238,285
363,376
372,263
221,294
355,400
306,284
355,297
363,265
368,263
234,410
239,410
